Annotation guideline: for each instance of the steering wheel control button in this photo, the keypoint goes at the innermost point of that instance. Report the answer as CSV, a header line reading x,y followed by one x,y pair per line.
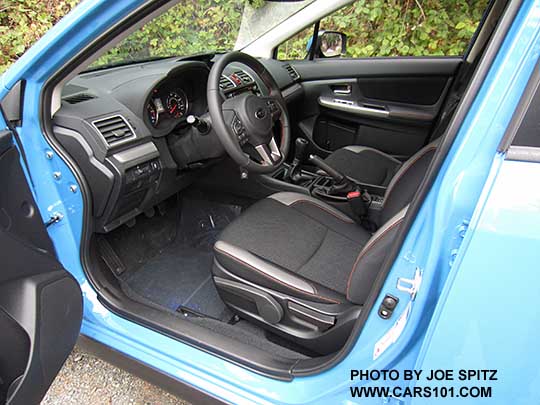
x,y
237,126
273,106
388,305
239,131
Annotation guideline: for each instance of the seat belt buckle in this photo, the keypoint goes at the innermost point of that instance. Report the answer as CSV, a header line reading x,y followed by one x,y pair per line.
x,y
359,202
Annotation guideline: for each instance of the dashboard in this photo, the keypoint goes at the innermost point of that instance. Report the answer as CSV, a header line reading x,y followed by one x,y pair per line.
x,y
128,132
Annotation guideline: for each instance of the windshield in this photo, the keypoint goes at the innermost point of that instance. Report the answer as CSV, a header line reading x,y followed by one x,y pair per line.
x,y
200,26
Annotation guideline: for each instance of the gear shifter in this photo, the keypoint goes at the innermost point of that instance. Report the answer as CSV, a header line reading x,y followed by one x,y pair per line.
x,y
300,149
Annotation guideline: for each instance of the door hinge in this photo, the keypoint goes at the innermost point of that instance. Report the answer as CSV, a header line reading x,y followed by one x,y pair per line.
x,y
56,217
410,286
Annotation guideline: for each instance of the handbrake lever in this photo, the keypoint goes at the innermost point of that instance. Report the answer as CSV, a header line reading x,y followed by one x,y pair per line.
x,y
340,179
359,200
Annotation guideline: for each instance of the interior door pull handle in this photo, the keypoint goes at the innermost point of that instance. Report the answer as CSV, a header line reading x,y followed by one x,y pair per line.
x,y
342,89
353,108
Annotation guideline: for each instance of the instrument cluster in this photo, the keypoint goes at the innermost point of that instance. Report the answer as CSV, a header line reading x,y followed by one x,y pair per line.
x,y
166,105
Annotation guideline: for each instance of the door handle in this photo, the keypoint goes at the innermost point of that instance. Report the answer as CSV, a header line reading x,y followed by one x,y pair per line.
x,y
342,89
353,107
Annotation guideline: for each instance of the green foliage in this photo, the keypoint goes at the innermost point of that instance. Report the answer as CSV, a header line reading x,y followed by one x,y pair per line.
x,y
22,22
398,28
190,27
375,28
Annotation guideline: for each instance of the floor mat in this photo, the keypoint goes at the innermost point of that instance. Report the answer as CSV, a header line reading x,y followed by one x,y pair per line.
x,y
167,262
201,222
178,276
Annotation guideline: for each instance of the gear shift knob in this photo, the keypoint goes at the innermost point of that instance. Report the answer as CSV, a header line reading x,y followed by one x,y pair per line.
x,y
300,149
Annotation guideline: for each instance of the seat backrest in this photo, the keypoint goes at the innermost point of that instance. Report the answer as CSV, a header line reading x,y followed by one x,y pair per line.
x,y
399,194
406,181
370,259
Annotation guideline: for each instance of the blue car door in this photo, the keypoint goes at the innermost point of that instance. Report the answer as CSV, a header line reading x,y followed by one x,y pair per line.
x,y
40,302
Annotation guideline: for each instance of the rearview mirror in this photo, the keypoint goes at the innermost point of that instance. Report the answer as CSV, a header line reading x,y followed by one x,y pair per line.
x,y
331,44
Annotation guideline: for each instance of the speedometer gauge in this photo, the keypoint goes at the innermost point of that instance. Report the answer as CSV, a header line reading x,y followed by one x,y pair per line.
x,y
177,104
152,113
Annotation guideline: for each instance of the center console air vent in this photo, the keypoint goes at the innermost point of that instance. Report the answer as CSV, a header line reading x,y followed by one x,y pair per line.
x,y
243,76
225,83
292,72
78,98
114,129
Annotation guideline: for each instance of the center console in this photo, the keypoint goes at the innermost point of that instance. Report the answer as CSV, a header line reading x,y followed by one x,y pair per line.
x,y
312,175
318,184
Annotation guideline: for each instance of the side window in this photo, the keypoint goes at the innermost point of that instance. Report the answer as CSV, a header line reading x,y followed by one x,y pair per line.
x,y
376,28
528,133
296,47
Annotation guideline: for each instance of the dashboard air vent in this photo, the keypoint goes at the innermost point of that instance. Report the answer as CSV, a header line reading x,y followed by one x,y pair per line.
x,y
292,72
79,98
243,76
114,129
225,83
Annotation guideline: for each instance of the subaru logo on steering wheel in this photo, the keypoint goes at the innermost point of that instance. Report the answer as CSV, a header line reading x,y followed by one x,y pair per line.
x,y
260,113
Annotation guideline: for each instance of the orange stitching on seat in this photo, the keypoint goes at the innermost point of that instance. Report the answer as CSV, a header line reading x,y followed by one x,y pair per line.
x,y
343,219
394,182
275,279
365,250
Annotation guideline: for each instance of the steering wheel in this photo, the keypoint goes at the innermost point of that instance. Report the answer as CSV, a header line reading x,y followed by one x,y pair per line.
x,y
248,119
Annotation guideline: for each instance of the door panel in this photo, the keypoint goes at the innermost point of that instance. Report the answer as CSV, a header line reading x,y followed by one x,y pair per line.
x,y
390,104
324,69
40,302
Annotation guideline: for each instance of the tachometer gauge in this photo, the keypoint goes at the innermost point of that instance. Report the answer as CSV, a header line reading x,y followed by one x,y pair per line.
x,y
152,113
177,104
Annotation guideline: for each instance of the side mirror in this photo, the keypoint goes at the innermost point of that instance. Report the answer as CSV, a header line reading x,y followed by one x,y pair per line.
x,y
331,44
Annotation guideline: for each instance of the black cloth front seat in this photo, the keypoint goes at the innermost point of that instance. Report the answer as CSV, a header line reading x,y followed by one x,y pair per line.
x,y
302,268
297,245
371,166
364,165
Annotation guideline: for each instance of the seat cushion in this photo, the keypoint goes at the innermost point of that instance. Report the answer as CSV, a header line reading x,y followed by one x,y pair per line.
x,y
365,165
294,244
